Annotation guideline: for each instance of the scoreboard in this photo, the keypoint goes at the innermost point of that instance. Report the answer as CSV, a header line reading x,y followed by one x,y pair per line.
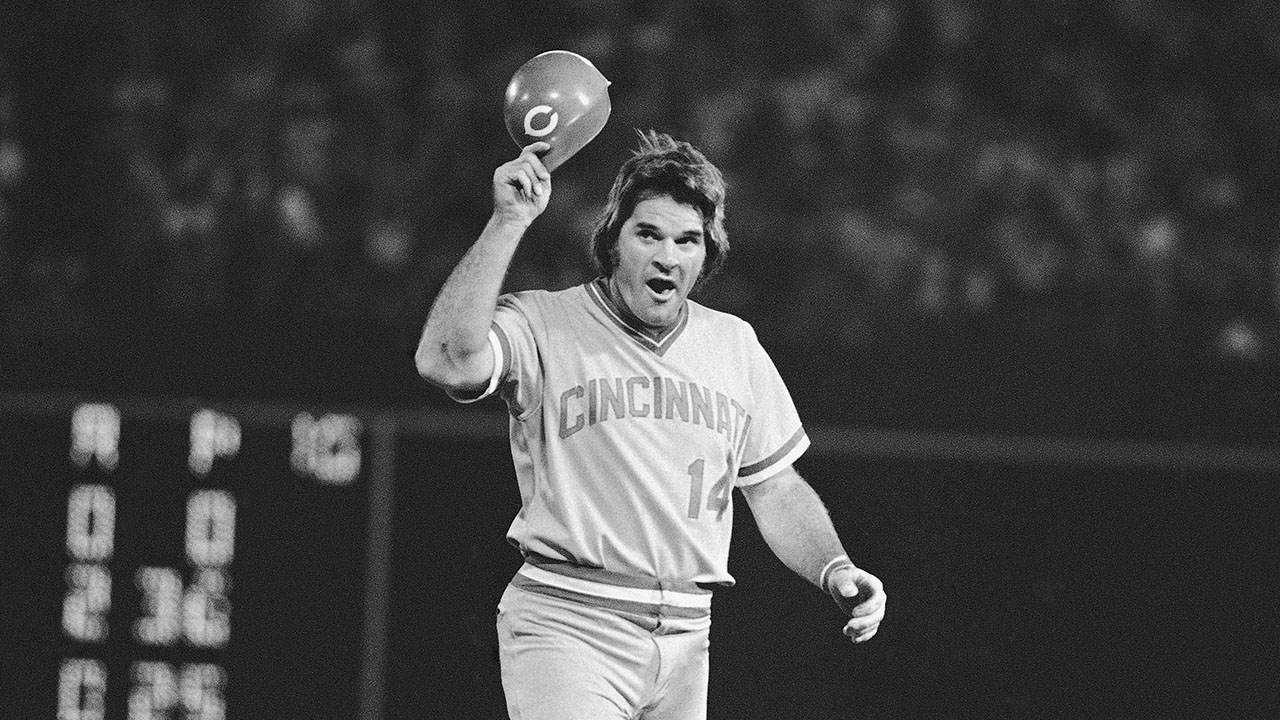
x,y
182,561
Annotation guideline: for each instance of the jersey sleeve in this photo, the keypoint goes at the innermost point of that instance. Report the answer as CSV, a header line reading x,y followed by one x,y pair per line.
x,y
775,436
516,361
466,397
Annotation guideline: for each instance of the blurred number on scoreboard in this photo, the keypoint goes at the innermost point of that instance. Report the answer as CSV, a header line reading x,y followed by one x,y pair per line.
x,y
213,435
326,448
193,691
95,436
161,590
82,689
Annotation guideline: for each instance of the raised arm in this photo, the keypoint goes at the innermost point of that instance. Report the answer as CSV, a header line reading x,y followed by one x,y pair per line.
x,y
453,352
797,528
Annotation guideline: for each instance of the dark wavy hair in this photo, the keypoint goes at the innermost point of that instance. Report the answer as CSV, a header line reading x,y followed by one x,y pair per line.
x,y
660,166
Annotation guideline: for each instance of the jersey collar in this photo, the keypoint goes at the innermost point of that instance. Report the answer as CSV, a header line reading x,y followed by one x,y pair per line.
x,y
658,342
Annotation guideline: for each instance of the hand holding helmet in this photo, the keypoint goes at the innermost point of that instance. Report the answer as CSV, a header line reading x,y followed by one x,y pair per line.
x,y
522,187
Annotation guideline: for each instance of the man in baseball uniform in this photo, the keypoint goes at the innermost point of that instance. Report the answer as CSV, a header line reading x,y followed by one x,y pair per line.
x,y
635,412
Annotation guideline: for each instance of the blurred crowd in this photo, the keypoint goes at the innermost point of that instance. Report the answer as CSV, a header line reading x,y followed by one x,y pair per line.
x,y
258,197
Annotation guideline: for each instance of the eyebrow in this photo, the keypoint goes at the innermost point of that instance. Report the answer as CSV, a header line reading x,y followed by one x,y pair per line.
x,y
641,225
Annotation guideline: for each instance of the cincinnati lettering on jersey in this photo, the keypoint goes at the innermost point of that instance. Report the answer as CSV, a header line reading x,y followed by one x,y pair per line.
x,y
603,399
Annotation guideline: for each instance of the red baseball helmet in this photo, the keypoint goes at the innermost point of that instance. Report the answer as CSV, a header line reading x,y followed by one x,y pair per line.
x,y
560,98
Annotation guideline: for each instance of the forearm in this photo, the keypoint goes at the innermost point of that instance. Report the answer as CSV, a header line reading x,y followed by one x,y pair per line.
x,y
794,522
457,326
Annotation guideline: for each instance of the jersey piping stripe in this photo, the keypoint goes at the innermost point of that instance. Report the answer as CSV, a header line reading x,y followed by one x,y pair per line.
x,y
627,606
797,445
643,596
659,345
609,577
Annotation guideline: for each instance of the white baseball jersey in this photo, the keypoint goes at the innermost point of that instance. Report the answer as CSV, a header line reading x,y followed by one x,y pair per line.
x,y
626,446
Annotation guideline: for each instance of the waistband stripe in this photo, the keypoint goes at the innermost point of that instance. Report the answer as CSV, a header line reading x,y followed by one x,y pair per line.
x,y
609,577
626,606
647,596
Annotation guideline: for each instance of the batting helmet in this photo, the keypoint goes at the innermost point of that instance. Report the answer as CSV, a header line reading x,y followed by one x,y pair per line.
x,y
560,98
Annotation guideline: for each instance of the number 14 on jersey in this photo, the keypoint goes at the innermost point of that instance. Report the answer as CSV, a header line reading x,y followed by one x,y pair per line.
x,y
717,497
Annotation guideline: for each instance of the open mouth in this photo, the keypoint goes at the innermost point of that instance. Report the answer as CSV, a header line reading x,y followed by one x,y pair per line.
x,y
661,287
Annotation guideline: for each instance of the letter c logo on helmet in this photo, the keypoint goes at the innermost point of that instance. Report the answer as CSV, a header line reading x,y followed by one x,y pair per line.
x,y
540,110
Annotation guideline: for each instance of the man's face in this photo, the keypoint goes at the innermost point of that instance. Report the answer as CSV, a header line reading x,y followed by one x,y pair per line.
x,y
660,255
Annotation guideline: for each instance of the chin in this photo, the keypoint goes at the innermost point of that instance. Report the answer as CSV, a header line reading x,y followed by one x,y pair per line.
x,y
663,320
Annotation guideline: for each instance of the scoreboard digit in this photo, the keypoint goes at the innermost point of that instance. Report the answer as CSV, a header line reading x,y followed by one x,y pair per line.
x,y
190,564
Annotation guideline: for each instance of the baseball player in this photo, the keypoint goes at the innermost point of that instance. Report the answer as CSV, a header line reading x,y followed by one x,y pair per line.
x,y
635,412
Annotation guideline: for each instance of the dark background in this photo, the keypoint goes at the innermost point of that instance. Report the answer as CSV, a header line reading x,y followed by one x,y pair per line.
x,y
1055,216
973,224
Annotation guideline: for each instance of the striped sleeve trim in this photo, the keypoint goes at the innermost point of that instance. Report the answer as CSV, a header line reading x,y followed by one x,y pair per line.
x,y
501,348
502,353
783,456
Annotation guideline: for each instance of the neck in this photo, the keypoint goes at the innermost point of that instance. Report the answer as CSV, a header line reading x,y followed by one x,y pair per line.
x,y
615,297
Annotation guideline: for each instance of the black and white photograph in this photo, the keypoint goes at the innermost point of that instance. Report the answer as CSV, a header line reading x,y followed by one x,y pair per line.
x,y
585,360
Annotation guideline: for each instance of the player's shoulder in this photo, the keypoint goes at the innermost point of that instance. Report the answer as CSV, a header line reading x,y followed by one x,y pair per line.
x,y
720,321
709,314
543,298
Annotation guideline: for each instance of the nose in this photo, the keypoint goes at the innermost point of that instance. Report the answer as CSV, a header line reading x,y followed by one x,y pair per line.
x,y
666,258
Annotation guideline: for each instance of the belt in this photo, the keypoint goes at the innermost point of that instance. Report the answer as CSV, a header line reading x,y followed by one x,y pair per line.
x,y
597,586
